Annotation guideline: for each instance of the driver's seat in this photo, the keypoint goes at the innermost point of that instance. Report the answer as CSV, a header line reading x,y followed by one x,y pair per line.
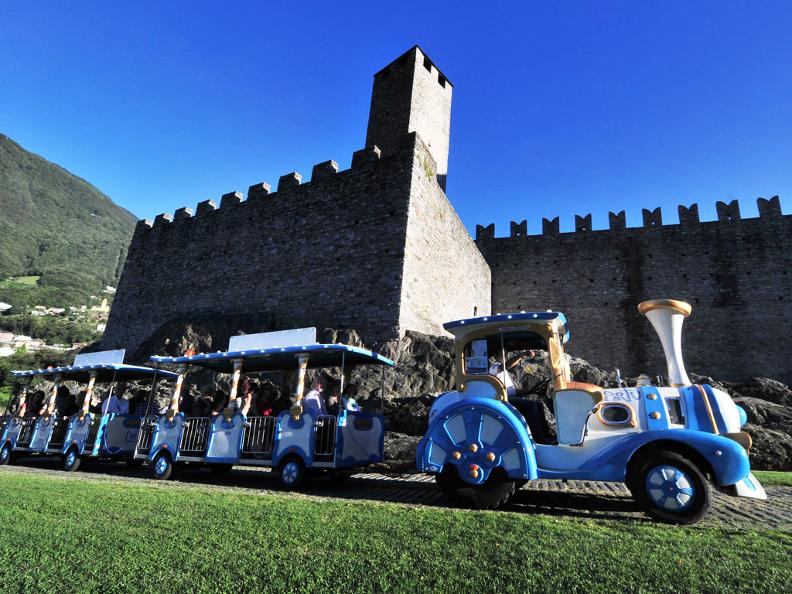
x,y
572,409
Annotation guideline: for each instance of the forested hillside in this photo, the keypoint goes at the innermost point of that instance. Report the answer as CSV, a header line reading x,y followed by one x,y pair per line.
x,y
58,227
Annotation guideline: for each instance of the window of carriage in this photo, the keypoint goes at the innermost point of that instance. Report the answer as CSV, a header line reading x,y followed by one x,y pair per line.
x,y
616,415
480,352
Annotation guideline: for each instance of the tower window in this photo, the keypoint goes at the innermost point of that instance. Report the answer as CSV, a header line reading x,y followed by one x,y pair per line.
x,y
442,80
427,64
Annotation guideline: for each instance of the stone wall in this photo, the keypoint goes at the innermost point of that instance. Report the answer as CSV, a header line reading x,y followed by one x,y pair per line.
x,y
735,272
326,252
445,275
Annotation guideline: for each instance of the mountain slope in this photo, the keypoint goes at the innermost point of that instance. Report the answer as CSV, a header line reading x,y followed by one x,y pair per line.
x,y
56,226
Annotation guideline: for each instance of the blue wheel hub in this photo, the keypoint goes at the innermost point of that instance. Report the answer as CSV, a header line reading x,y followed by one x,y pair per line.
x,y
4,453
161,466
70,458
670,488
290,472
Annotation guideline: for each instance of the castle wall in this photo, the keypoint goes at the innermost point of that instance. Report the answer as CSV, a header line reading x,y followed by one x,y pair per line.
x,y
735,272
327,253
445,276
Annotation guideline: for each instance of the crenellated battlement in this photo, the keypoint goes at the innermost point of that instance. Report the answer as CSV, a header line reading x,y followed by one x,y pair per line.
x,y
321,173
651,219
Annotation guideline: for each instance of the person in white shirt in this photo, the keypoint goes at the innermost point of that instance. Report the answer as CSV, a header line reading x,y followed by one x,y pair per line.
x,y
315,399
497,370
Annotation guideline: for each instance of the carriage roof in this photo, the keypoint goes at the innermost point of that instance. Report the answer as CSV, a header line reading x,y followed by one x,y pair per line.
x,y
104,372
535,321
281,358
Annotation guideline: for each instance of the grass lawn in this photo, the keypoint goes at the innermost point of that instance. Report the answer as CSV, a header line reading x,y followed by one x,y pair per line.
x,y
89,535
770,478
19,282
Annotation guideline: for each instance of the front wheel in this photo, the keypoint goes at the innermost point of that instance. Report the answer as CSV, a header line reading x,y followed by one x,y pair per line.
x,y
292,472
493,494
71,460
5,455
672,489
162,468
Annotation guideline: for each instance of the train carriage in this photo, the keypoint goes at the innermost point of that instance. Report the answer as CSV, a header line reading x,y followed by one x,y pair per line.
x,y
106,435
293,442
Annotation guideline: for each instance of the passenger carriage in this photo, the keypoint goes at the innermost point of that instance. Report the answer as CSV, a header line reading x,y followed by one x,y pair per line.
x,y
669,444
110,436
294,442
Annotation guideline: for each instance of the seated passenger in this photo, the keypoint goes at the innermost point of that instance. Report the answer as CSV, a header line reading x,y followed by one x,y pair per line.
x,y
314,400
204,403
348,399
219,402
265,401
65,402
497,369
112,404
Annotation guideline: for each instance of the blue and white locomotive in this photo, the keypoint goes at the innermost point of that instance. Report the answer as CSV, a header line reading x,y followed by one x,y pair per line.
x,y
670,445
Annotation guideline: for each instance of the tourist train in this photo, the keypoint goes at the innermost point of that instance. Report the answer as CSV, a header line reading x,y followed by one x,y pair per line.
x,y
670,444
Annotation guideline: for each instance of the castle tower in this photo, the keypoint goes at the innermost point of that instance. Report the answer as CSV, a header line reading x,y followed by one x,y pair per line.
x,y
411,95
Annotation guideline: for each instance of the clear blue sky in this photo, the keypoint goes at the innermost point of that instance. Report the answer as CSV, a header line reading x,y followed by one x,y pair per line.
x,y
559,107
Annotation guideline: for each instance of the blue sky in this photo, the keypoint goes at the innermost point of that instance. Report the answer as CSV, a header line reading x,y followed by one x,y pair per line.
x,y
560,108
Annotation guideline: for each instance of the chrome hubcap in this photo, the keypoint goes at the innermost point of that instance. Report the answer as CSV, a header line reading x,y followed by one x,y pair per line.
x,y
669,488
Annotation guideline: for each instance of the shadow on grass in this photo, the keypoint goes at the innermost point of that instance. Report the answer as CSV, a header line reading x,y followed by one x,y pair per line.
x,y
376,488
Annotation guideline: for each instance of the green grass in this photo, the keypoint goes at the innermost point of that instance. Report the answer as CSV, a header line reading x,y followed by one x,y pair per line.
x,y
19,282
61,534
5,396
774,478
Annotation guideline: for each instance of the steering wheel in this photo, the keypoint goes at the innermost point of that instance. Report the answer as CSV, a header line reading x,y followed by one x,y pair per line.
x,y
540,388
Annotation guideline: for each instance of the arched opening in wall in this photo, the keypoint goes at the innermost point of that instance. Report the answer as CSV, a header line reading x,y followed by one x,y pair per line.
x,y
475,311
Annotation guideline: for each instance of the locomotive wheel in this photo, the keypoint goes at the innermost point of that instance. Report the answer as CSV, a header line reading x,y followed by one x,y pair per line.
x,y
5,455
162,468
291,472
672,489
71,460
493,494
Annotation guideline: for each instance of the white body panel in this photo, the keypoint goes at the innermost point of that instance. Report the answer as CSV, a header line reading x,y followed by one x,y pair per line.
x,y
271,340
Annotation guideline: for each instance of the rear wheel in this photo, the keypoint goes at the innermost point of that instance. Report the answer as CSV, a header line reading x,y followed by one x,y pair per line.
x,y
671,488
292,472
493,494
71,460
162,468
5,455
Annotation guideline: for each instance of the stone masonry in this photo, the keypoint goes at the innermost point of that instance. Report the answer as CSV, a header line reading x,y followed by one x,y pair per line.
x,y
377,247
735,273
380,249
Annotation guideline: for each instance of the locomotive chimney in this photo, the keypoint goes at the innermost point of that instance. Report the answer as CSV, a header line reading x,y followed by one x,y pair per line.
x,y
667,317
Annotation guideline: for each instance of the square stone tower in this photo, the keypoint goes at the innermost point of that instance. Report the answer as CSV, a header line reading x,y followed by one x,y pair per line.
x,y
411,95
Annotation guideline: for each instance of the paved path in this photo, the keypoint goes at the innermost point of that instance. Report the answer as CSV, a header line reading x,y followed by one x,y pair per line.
x,y
584,499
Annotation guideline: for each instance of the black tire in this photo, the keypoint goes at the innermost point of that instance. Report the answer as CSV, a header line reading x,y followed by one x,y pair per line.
x,y
6,455
71,460
671,488
291,472
162,467
493,494
221,468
